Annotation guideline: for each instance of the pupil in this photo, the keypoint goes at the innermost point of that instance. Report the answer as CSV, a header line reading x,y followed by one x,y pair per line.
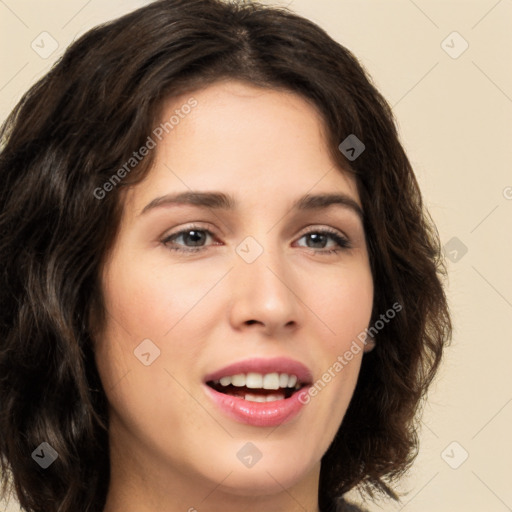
x,y
315,237
196,236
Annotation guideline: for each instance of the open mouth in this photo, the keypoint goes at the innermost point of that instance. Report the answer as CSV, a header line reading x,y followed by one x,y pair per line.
x,y
257,387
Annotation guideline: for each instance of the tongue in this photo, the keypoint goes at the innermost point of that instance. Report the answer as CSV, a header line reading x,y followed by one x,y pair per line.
x,y
242,390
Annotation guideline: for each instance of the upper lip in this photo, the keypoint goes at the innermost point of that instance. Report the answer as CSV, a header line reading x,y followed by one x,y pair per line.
x,y
263,366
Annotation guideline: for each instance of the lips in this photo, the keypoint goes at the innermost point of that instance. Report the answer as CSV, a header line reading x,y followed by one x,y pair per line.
x,y
259,392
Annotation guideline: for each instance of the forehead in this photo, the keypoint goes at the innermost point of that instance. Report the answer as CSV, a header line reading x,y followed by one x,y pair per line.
x,y
246,140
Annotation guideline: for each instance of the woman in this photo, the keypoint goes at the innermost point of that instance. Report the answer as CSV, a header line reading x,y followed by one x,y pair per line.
x,y
221,289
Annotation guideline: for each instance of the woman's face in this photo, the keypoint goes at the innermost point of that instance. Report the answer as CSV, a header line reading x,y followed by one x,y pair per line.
x,y
195,285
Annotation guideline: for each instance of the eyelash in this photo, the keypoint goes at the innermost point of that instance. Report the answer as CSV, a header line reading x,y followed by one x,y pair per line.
x,y
342,242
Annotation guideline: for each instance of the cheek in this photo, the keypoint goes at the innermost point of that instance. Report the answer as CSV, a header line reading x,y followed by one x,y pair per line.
x,y
145,304
151,298
344,304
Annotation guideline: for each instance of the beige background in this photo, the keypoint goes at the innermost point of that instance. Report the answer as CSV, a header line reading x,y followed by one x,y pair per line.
x,y
455,120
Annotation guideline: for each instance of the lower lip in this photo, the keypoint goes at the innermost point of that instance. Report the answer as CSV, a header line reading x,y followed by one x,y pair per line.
x,y
259,414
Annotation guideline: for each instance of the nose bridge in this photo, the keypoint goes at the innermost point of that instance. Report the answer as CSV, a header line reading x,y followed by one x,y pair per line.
x,y
263,264
264,282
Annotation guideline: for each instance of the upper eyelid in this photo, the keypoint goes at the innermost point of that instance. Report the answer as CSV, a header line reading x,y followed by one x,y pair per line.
x,y
189,228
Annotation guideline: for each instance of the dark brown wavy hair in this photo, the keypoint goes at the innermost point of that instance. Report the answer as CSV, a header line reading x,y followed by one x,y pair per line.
x,y
77,126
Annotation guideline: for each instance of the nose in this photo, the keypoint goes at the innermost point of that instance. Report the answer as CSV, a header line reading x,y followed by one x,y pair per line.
x,y
264,295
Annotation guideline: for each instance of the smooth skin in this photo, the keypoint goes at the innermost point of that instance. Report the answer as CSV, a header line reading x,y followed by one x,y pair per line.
x,y
171,448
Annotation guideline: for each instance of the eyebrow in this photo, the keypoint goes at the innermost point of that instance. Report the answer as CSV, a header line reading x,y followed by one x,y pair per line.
x,y
222,201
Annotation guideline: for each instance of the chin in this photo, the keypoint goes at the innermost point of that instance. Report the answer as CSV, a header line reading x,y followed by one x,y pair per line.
x,y
247,483
274,471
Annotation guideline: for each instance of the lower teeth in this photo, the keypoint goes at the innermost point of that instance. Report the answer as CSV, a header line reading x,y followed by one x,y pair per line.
x,y
262,398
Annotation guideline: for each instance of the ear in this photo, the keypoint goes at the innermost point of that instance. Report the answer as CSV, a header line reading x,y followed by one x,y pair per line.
x,y
369,344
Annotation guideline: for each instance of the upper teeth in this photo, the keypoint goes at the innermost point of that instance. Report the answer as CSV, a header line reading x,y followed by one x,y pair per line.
x,y
259,380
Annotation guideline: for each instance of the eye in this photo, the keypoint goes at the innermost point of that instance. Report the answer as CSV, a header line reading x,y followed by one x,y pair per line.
x,y
320,237
192,238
